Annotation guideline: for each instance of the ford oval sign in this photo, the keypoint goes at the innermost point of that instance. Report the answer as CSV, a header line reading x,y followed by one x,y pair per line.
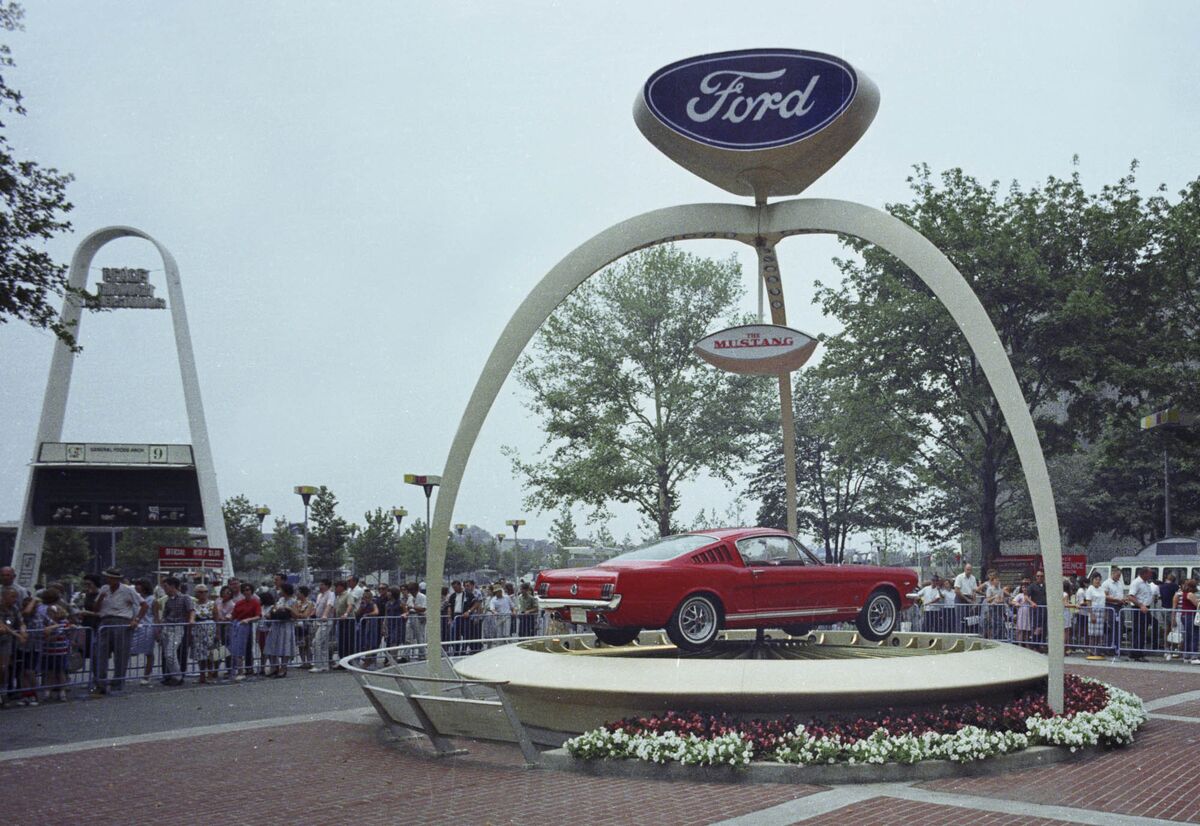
x,y
758,121
751,99
762,349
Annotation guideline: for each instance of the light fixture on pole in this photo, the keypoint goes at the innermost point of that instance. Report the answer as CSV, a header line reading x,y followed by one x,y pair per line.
x,y
306,492
460,527
399,513
428,482
515,524
1172,417
262,512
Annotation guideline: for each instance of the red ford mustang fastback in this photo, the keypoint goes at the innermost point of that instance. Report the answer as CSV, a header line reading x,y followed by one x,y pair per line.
x,y
695,584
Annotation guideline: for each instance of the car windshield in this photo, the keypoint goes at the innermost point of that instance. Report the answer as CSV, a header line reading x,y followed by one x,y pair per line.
x,y
668,547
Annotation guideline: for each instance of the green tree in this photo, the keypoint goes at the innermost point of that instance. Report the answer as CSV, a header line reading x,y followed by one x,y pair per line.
x,y
65,553
283,552
244,531
374,548
628,409
564,534
1048,264
137,550
34,206
410,550
851,456
328,532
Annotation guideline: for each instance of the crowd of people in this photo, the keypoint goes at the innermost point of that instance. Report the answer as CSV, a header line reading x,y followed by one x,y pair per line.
x,y
228,630
1161,615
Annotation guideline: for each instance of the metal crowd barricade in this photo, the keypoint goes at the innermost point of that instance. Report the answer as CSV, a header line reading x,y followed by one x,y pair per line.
x,y
408,698
53,659
1144,633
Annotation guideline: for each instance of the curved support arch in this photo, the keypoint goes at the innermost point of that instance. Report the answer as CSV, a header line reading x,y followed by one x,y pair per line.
x,y
744,223
58,387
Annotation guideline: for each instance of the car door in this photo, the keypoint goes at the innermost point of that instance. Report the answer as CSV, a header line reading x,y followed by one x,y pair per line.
x,y
783,581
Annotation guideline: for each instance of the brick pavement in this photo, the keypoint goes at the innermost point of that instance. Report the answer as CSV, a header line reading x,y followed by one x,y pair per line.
x,y
1146,683
1156,777
887,811
335,771
1189,709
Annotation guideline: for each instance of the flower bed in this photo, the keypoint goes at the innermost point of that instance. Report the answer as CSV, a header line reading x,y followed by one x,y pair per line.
x,y
1095,714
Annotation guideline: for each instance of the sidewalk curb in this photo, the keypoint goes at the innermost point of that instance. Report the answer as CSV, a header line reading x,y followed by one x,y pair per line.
x,y
824,775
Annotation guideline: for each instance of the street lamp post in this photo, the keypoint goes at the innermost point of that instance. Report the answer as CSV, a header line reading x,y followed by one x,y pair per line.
x,y
460,527
399,513
428,482
306,493
1172,417
515,524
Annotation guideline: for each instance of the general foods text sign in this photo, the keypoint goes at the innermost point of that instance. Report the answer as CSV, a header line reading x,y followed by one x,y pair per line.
x,y
751,99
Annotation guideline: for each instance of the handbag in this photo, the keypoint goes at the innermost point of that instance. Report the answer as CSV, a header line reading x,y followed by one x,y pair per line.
x,y
1174,637
1196,621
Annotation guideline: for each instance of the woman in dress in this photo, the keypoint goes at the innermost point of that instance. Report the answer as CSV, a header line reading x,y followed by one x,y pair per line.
x,y
241,633
1024,605
1094,598
224,617
204,634
280,646
1187,599
141,644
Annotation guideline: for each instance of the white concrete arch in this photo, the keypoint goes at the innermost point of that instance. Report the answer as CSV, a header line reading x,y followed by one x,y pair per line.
x,y
58,386
744,223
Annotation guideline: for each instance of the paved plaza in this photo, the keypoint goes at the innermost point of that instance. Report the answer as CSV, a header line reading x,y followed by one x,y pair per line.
x,y
309,744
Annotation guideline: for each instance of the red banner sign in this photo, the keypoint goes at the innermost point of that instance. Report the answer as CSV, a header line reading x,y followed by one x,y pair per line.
x,y
1073,564
191,557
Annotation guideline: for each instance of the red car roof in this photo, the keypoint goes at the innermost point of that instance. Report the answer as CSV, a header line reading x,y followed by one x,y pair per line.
x,y
736,533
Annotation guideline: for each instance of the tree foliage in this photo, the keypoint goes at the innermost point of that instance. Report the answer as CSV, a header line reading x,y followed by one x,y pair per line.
x,y
34,204
852,459
628,409
328,532
65,553
284,552
243,528
137,550
374,548
1063,275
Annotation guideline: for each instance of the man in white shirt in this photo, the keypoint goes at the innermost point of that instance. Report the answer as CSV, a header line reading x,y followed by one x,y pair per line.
x,y
356,591
931,605
120,610
415,631
1145,626
1114,600
323,611
966,594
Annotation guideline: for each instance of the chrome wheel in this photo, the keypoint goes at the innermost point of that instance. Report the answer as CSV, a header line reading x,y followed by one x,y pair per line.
x,y
695,623
879,616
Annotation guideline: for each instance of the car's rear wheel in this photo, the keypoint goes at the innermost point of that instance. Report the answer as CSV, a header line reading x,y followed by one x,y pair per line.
x,y
796,630
616,636
695,623
879,616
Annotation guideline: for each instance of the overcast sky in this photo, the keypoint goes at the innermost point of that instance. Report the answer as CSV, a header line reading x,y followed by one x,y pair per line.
x,y
360,194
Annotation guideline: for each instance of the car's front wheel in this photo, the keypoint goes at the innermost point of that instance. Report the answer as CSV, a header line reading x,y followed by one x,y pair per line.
x,y
616,636
879,616
695,623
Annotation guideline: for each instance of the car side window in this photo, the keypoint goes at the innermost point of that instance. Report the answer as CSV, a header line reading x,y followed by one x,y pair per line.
x,y
754,550
780,549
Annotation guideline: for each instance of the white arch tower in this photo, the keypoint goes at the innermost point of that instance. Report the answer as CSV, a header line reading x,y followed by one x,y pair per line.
x,y
28,554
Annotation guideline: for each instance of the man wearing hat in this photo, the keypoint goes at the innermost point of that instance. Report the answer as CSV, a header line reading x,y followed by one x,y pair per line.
x,y
120,610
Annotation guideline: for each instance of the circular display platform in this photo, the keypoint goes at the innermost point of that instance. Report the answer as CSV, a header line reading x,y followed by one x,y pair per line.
x,y
567,685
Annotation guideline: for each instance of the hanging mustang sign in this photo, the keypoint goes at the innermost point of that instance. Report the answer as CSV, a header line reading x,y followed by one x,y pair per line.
x,y
761,349
758,121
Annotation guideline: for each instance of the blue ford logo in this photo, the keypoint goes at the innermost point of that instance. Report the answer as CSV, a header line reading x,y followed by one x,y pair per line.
x,y
751,99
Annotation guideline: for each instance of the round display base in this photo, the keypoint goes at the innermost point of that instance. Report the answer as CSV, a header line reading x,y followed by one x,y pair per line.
x,y
563,686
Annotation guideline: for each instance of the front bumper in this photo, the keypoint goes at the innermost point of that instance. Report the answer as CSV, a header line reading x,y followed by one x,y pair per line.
x,y
597,605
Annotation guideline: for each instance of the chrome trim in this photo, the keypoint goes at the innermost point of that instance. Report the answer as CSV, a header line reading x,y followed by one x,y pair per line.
x,y
805,612
590,604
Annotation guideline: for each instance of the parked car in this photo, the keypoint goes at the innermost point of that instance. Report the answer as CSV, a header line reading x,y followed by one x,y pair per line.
x,y
694,585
